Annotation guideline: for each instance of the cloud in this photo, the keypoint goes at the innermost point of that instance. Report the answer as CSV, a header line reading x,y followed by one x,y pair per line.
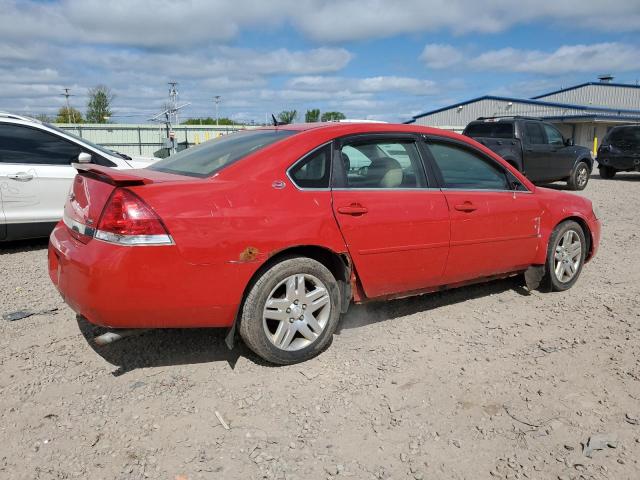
x,y
169,24
408,85
437,55
597,57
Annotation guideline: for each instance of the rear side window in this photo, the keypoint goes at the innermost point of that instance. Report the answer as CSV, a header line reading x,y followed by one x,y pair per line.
x,y
209,157
20,144
464,170
490,130
313,171
534,133
625,137
382,164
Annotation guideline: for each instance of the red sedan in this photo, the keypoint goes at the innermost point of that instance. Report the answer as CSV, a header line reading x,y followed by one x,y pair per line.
x,y
275,231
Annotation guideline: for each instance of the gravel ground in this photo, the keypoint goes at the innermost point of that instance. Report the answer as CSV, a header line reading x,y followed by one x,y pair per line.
x,y
480,382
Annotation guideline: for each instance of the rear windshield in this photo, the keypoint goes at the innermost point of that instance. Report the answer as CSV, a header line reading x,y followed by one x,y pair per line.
x,y
490,129
207,158
625,136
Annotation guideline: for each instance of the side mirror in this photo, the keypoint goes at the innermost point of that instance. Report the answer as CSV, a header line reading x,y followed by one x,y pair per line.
x,y
84,157
568,142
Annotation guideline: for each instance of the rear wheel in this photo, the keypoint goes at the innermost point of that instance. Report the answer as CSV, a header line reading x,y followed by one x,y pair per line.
x,y
291,311
579,177
565,256
606,172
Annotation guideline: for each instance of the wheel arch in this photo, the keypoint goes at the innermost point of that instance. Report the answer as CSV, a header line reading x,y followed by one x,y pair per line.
x,y
339,264
588,236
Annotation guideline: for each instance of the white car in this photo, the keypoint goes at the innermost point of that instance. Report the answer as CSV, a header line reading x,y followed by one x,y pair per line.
x,y
36,173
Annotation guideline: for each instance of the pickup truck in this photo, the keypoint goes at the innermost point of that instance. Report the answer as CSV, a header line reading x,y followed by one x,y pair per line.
x,y
535,148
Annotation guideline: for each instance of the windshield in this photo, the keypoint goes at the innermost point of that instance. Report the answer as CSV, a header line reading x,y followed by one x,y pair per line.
x,y
209,157
490,130
83,140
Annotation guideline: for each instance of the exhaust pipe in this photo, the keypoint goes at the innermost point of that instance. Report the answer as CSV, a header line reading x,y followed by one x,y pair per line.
x,y
110,337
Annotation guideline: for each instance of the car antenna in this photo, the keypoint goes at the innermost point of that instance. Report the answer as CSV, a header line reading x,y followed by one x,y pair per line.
x,y
276,123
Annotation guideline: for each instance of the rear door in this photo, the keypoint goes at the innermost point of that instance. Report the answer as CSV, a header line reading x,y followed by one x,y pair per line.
x,y
393,219
495,221
535,152
561,157
35,174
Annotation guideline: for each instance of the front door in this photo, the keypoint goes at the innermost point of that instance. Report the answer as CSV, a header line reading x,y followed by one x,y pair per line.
x,y
561,157
536,152
495,221
395,226
35,174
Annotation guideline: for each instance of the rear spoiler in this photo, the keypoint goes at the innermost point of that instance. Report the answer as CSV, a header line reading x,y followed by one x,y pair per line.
x,y
118,178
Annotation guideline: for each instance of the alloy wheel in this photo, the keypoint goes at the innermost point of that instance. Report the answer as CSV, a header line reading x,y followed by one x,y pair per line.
x,y
567,257
296,312
583,177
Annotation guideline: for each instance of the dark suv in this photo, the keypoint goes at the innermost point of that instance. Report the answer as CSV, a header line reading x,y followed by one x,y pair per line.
x,y
534,147
620,151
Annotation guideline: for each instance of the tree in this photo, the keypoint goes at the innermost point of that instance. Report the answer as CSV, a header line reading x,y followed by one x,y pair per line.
x,y
69,116
99,104
287,116
329,116
312,115
43,117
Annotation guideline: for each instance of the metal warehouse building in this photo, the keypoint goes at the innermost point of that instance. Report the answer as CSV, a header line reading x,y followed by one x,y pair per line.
x,y
583,112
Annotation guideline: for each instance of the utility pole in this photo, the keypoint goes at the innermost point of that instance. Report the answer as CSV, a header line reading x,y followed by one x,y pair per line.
x,y
66,96
216,100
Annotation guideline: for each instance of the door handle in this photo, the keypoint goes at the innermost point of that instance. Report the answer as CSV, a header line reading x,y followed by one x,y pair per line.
x,y
353,209
20,176
466,207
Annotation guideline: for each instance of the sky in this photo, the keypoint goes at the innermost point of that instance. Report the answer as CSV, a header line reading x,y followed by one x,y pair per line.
x,y
371,59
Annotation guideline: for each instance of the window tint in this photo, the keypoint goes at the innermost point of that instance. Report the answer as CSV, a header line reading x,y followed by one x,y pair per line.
x,y
209,157
462,169
534,134
554,137
382,164
625,137
490,130
19,144
314,170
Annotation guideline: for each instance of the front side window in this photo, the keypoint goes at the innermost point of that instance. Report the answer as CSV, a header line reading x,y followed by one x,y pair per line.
x,y
554,137
313,171
534,133
462,169
20,144
209,157
382,164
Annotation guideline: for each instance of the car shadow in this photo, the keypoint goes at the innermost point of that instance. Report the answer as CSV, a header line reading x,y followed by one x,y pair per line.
x,y
165,347
16,246
171,347
375,312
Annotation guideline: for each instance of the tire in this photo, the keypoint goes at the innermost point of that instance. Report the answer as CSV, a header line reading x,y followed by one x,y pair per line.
x,y
607,172
282,332
579,177
560,278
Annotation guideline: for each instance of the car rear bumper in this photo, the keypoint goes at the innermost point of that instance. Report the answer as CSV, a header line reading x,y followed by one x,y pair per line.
x,y
620,162
142,287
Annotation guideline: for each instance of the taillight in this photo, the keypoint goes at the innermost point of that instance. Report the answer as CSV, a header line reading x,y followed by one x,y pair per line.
x,y
128,220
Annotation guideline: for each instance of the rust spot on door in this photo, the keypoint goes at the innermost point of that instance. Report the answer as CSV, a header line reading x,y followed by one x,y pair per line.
x,y
249,254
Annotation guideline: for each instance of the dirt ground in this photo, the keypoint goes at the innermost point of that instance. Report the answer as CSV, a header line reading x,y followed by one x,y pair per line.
x,y
480,382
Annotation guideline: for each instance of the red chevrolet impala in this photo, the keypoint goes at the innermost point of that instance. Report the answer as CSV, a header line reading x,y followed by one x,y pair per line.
x,y
275,231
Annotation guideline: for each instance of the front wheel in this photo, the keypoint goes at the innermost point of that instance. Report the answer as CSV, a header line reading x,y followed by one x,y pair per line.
x,y
565,256
291,311
606,172
579,177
